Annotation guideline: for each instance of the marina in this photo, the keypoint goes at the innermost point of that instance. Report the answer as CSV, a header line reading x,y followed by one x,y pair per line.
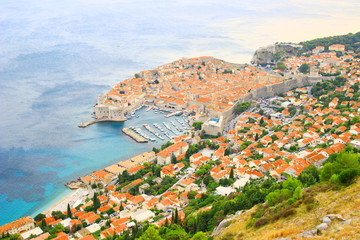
x,y
154,132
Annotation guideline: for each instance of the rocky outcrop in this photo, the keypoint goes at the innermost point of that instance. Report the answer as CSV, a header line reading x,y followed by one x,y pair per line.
x,y
267,55
226,222
264,55
325,223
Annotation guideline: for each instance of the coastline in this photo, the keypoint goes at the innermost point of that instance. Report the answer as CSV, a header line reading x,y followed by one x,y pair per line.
x,y
49,209
46,208
69,198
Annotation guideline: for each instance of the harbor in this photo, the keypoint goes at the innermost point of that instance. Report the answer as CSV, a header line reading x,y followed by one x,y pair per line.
x,y
159,132
174,123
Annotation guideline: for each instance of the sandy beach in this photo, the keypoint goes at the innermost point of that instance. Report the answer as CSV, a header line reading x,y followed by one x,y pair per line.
x,y
75,197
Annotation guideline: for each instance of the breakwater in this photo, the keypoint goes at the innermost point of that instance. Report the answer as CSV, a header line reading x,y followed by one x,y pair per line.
x,y
83,125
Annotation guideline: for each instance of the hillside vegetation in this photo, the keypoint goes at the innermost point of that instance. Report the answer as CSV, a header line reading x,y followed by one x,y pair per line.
x,y
351,41
317,202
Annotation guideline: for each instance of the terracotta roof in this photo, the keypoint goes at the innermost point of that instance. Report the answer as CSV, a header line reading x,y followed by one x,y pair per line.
x,y
16,224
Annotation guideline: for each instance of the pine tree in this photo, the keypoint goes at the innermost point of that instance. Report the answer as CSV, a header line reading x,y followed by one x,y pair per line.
x,y
232,173
176,220
69,213
173,159
256,137
121,206
261,121
96,202
43,223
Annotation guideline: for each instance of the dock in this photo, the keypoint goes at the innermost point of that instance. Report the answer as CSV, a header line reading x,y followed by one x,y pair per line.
x,y
134,135
178,113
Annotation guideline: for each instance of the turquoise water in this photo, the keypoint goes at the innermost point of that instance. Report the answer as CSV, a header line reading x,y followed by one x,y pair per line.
x,y
92,148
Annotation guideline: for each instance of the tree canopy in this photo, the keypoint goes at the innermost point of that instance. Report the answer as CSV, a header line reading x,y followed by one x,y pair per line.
x,y
241,107
351,42
304,68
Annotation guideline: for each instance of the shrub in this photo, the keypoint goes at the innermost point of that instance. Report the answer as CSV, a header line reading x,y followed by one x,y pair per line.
x,y
308,199
287,213
347,176
261,222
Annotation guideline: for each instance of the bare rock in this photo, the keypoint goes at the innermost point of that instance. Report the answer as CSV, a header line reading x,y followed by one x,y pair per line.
x,y
346,222
335,216
339,229
326,220
223,224
238,213
322,226
307,234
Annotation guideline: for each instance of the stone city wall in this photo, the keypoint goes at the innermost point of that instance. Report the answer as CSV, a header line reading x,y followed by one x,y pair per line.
x,y
271,90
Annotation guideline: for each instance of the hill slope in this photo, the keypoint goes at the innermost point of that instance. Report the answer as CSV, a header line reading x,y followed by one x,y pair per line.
x,y
345,202
351,41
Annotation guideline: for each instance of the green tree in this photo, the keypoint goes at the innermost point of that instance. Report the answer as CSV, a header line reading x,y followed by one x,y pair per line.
x,y
58,228
96,202
304,68
278,196
279,55
43,223
231,173
291,183
197,125
200,236
348,175
58,215
297,193
175,232
151,234
69,213
241,107
191,194
173,159
176,216
190,224
309,176
39,217
342,162
281,66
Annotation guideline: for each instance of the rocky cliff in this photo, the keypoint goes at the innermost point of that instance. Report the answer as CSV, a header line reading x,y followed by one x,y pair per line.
x,y
272,53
